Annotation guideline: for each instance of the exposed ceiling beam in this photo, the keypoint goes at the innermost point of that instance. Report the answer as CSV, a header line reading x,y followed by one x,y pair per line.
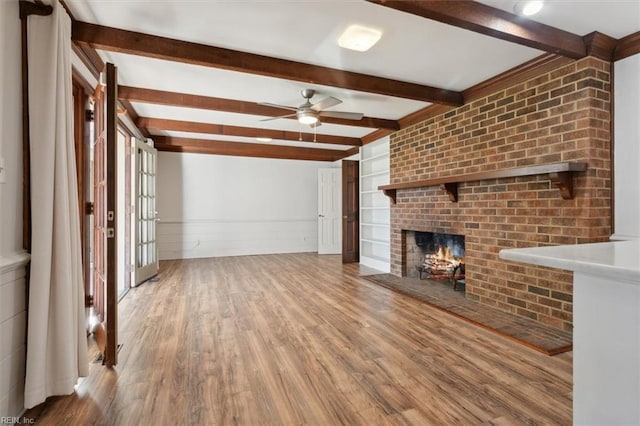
x,y
160,97
117,40
250,132
350,152
241,149
600,45
627,46
374,136
494,22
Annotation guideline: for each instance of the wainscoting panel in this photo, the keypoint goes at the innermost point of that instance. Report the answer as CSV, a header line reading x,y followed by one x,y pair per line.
x,y
13,319
216,238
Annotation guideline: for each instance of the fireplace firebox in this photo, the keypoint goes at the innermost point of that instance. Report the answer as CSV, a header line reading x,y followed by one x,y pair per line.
x,y
436,256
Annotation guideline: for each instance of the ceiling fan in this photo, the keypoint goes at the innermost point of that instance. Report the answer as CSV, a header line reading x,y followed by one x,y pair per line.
x,y
310,114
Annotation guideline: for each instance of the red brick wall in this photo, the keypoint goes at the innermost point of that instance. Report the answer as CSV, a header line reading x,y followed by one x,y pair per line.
x,y
561,115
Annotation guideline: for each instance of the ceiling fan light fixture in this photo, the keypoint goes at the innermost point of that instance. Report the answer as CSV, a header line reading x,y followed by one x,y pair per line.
x,y
528,7
307,117
359,38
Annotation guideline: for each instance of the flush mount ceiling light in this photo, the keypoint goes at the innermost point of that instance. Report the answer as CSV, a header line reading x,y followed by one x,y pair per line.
x,y
359,38
528,7
263,139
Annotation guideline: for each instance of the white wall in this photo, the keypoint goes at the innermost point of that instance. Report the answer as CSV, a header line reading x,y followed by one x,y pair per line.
x,y
12,300
212,205
627,148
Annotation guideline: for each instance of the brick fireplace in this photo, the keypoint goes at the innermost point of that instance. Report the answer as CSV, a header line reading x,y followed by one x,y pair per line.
x,y
559,114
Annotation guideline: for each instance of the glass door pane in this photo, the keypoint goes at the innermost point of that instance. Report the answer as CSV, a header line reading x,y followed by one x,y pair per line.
x,y
146,256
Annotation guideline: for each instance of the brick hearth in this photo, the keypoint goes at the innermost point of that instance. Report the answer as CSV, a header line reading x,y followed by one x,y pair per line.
x,y
559,115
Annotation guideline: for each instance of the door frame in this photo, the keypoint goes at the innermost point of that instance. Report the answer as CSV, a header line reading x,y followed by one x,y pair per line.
x,y
82,140
111,353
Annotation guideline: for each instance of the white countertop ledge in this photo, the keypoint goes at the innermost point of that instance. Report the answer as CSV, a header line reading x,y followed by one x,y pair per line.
x,y
13,261
617,259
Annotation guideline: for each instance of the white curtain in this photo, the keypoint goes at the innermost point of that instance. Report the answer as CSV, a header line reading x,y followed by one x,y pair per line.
x,y
56,336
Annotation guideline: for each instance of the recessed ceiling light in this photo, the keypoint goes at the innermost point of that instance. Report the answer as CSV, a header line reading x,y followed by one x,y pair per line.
x,y
528,7
261,139
359,38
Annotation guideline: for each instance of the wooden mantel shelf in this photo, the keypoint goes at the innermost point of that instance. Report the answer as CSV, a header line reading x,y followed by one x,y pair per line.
x,y
560,174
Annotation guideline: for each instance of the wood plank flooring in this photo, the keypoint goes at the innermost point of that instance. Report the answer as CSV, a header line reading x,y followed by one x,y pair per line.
x,y
302,339
440,294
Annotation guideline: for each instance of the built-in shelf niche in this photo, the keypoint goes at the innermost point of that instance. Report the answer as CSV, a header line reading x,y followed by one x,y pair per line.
x,y
375,212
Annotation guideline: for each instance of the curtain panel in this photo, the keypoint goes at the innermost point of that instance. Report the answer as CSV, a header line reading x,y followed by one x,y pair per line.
x,y
56,335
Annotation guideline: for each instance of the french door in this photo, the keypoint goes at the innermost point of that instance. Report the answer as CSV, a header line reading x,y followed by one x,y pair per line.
x,y
146,214
99,281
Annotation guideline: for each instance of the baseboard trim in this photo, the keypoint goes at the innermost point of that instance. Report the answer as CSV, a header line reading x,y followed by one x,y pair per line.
x,y
623,237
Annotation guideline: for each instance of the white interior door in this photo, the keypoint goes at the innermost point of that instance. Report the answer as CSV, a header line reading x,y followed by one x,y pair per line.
x,y
146,214
329,211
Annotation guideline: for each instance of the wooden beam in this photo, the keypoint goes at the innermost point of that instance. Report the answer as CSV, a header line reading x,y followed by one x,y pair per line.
x,y
250,132
159,97
487,20
600,45
350,152
134,43
241,149
374,136
627,46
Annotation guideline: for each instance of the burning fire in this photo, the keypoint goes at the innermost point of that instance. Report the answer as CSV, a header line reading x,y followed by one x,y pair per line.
x,y
443,255
442,262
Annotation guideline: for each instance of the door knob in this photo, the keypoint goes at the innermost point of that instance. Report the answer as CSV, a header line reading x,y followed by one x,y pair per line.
x,y
320,215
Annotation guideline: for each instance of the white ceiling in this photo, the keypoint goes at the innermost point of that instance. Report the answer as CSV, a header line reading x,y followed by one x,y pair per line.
x,y
615,18
412,49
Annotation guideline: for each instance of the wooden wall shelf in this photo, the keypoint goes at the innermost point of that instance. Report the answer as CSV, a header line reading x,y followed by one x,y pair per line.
x,y
560,174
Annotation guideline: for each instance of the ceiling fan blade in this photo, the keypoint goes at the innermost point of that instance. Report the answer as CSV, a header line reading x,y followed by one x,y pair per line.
x,y
326,103
343,115
280,116
269,104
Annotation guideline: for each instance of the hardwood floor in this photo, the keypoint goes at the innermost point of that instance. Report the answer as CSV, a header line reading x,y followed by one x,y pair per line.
x,y
301,339
440,295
